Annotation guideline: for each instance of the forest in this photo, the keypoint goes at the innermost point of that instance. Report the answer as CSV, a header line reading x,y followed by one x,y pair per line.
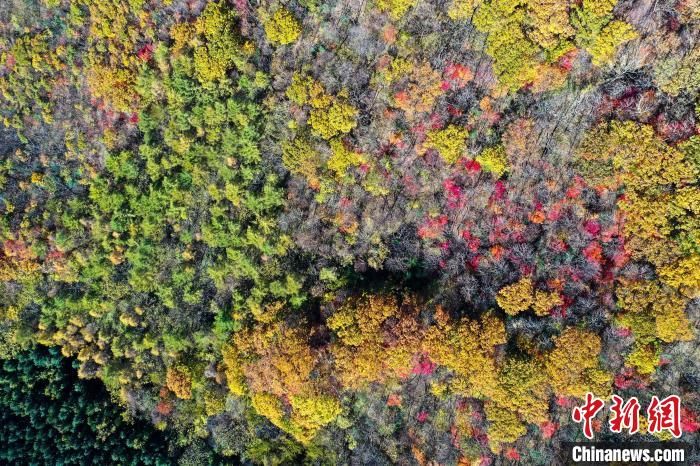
x,y
343,232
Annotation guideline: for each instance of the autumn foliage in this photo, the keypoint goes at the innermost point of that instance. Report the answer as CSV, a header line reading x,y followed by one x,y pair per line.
x,y
383,232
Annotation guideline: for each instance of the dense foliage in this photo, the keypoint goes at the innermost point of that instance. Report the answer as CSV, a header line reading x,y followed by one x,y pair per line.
x,y
385,232
49,416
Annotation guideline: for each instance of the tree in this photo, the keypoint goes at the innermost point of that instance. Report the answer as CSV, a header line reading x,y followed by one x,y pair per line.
x,y
282,27
48,415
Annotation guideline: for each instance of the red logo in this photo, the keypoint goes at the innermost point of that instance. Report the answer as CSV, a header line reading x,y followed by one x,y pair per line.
x,y
662,414
665,415
587,412
626,416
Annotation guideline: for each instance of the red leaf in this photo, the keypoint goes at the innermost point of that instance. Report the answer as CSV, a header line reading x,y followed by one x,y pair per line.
x,y
424,367
549,428
146,52
689,421
592,227
512,454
